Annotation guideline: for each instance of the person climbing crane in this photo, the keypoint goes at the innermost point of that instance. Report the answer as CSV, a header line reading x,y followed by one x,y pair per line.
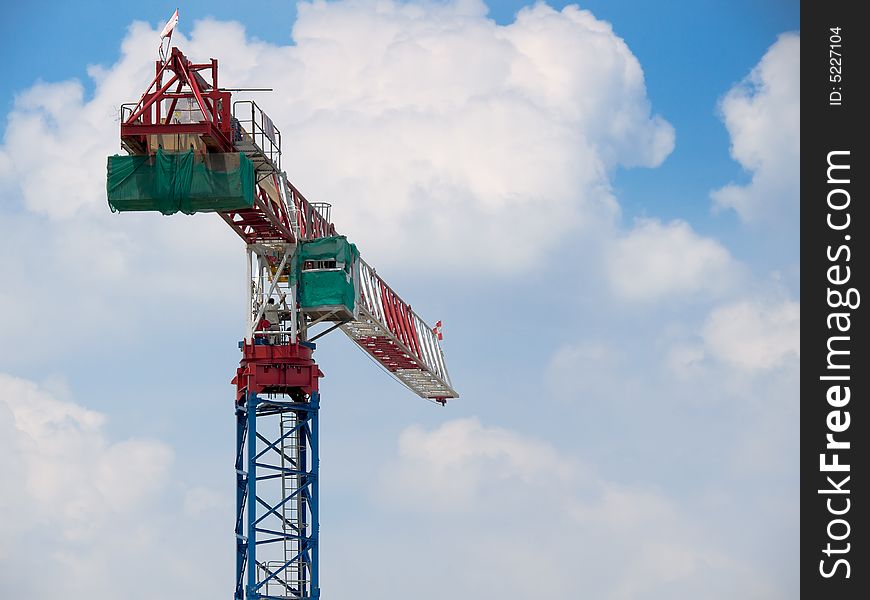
x,y
273,314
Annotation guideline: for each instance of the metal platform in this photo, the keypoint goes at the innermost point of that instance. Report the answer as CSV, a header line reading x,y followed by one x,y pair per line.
x,y
396,337
331,313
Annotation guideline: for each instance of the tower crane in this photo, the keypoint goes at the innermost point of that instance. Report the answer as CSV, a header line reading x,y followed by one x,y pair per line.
x,y
192,149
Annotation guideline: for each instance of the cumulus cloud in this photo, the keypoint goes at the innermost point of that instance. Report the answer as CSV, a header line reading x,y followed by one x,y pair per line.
x,y
447,469
78,280
427,121
84,511
427,126
78,505
456,129
60,236
521,506
762,114
657,260
754,335
71,474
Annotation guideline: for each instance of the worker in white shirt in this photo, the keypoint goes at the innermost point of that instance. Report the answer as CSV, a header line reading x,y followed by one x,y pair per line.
x,y
273,313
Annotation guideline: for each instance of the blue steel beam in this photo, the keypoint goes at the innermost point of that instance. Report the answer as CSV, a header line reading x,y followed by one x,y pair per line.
x,y
263,453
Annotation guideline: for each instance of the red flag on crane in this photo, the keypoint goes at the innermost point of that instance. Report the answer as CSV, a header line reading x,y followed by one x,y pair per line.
x,y
170,25
437,330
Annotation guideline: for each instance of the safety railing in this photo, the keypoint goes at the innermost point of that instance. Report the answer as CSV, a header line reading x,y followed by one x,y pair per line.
x,y
311,222
386,307
252,126
126,111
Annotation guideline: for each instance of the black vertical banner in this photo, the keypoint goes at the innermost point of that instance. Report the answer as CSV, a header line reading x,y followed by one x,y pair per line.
x,y
835,373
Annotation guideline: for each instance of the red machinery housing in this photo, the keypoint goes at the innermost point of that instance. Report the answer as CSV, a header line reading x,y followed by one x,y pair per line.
x,y
276,369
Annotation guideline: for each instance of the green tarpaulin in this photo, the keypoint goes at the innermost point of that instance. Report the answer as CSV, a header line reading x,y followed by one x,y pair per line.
x,y
331,285
170,182
335,248
326,288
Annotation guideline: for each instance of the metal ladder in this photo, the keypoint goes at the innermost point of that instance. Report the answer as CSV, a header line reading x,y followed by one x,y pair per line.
x,y
295,579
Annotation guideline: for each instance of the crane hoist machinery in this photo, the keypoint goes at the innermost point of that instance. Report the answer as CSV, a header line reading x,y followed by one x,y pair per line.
x,y
192,149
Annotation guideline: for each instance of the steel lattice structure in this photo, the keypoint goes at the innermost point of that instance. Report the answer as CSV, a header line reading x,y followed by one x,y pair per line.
x,y
277,498
277,396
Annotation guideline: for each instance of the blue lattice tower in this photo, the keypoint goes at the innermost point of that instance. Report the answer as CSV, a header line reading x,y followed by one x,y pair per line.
x,y
277,522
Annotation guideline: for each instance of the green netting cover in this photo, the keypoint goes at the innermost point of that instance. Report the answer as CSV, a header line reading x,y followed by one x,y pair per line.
x,y
335,248
169,182
330,286
326,288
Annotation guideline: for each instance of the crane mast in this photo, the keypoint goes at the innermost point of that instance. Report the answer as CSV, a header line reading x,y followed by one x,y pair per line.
x,y
191,149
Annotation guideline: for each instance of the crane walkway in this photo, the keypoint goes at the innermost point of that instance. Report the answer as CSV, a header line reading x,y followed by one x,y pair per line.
x,y
397,338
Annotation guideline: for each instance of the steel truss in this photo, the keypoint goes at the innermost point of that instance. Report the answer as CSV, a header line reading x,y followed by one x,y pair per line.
x,y
277,497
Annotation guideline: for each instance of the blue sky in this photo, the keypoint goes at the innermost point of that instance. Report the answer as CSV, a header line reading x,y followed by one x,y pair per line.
x,y
606,222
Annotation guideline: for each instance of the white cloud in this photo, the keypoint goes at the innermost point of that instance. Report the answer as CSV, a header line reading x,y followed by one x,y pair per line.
x,y
447,468
762,114
74,272
426,125
73,283
491,161
754,335
654,261
83,512
520,506
72,476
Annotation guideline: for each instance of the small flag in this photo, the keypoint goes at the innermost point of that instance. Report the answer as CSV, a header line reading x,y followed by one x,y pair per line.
x,y
437,330
170,25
